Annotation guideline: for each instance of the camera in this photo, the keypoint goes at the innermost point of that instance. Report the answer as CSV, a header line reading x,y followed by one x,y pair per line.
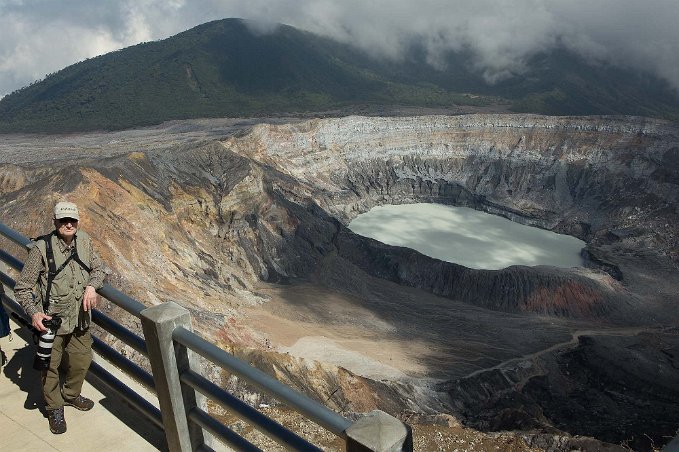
x,y
45,343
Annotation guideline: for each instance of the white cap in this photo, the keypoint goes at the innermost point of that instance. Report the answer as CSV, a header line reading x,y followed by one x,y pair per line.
x,y
66,210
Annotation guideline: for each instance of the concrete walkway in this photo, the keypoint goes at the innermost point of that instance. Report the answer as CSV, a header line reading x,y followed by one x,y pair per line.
x,y
110,426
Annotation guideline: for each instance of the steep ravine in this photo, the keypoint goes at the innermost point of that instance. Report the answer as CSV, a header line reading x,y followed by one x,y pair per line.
x,y
264,212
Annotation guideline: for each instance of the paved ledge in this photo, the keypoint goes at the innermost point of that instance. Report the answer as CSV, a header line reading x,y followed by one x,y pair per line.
x,y
110,426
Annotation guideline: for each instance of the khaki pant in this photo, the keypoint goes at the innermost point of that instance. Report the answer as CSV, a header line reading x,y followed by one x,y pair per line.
x,y
75,351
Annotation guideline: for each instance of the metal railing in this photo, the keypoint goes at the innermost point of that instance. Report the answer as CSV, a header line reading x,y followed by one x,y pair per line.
x,y
172,349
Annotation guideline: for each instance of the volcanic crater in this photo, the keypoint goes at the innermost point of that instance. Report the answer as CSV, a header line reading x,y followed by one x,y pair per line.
x,y
246,225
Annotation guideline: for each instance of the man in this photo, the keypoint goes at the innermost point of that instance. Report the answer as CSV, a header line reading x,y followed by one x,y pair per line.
x,y
69,292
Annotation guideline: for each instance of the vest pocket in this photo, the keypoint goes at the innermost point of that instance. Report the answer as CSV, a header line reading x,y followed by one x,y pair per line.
x,y
58,305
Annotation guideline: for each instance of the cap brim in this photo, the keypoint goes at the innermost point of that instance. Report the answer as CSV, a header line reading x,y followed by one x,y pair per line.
x,y
59,216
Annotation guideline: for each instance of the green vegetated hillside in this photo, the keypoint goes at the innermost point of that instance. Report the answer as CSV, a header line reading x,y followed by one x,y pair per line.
x,y
223,69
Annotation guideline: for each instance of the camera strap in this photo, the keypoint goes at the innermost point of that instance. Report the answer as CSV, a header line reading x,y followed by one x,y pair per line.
x,y
52,271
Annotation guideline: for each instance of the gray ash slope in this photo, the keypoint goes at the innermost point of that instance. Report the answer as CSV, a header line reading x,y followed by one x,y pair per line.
x,y
519,348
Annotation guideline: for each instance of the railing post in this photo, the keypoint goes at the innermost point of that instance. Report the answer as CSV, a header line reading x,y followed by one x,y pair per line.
x,y
380,432
167,359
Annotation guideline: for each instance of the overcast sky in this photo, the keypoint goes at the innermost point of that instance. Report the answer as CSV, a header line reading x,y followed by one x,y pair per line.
x,y
38,37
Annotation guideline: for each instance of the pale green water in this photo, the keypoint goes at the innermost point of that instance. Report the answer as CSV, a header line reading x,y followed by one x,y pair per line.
x,y
468,237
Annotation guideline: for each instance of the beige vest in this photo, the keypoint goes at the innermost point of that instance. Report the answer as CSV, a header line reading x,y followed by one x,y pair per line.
x,y
66,294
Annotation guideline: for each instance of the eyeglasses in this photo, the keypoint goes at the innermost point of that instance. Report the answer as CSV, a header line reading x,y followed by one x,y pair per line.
x,y
67,220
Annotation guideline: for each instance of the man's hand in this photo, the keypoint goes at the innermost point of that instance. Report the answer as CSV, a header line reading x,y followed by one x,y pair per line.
x,y
37,319
89,298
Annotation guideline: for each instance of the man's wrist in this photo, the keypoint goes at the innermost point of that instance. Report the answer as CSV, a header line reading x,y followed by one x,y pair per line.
x,y
32,312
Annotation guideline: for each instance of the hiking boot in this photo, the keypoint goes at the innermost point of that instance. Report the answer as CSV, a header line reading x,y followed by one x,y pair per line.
x,y
81,403
56,420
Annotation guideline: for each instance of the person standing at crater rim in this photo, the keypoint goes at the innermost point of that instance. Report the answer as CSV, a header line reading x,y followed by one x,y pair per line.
x,y
64,271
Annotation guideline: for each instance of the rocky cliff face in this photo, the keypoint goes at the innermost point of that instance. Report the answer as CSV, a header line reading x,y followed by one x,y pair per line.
x,y
606,181
232,228
558,173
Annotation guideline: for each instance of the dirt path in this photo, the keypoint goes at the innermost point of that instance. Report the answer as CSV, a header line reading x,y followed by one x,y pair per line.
x,y
568,344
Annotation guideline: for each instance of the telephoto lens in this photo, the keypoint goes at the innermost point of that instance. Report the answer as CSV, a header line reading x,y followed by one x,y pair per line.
x,y
45,343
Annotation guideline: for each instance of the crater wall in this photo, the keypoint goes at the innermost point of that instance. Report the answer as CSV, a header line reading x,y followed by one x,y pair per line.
x,y
215,224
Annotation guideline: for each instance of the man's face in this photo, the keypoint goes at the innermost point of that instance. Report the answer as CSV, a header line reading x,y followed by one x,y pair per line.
x,y
66,227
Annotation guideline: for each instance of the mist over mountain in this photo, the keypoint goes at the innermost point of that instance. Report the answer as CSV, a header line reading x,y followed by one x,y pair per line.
x,y
223,68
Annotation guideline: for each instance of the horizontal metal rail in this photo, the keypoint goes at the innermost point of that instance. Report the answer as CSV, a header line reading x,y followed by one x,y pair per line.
x,y
141,404
14,236
313,410
11,260
8,281
124,364
119,331
220,430
124,301
15,310
266,425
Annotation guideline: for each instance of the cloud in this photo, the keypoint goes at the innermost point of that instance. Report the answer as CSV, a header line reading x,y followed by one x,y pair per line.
x,y
42,36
